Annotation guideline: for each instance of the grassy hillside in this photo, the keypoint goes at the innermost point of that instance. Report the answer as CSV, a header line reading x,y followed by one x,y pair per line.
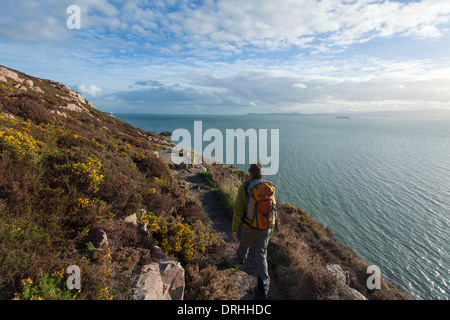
x,y
67,169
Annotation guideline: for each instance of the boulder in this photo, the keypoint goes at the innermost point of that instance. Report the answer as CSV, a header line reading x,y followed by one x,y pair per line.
x,y
148,284
159,281
98,238
5,72
20,87
29,83
131,219
37,89
73,107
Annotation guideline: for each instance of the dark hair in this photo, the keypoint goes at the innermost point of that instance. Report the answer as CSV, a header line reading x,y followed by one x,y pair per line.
x,y
257,170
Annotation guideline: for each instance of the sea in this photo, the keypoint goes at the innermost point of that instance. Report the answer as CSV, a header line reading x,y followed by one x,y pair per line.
x,y
381,185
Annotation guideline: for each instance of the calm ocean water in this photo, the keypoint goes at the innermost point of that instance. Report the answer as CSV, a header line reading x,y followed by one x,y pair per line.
x,y
381,185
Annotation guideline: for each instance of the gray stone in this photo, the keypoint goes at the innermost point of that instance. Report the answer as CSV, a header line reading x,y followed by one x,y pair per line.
x,y
131,219
159,281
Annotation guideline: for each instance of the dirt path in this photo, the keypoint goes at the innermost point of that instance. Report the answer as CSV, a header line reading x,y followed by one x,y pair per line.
x,y
245,276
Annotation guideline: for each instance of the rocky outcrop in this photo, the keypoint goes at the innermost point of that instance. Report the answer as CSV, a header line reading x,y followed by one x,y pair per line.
x,y
163,280
343,279
74,99
22,84
6,73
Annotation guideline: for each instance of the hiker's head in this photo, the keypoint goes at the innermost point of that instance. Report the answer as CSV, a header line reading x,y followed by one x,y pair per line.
x,y
256,170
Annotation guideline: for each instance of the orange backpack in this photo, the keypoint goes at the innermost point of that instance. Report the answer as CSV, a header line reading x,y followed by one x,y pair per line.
x,y
261,208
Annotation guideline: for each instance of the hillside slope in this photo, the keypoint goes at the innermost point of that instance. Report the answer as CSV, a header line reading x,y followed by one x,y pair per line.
x,y
68,169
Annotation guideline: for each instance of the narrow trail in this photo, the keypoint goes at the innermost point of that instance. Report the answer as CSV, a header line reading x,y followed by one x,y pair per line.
x,y
245,275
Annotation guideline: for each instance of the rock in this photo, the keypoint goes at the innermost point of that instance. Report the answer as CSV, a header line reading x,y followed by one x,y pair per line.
x,y
73,107
342,277
29,83
89,103
98,238
131,219
159,281
356,294
159,254
37,89
166,134
148,284
337,271
172,276
245,284
6,73
20,87
155,152
77,95
148,238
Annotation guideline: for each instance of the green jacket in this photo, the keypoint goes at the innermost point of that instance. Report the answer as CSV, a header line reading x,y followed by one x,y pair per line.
x,y
240,208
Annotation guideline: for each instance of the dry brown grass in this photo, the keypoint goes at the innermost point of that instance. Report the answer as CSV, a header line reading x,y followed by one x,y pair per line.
x,y
209,284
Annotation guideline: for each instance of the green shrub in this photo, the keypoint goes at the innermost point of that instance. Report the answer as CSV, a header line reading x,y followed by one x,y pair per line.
x,y
51,287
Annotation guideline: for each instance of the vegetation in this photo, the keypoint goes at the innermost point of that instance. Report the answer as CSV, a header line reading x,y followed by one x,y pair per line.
x,y
67,171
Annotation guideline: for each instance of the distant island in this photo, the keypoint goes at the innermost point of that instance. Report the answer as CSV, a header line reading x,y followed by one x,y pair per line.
x,y
413,114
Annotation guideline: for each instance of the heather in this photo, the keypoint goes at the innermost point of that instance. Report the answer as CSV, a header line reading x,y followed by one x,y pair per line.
x,y
66,171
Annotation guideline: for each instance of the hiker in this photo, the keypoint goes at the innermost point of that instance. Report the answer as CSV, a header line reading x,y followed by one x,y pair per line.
x,y
255,215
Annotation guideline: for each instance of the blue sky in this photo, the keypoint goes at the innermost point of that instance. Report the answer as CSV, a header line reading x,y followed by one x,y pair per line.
x,y
235,56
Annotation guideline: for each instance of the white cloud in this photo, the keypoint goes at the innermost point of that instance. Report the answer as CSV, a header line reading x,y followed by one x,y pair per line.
x,y
233,53
299,85
320,25
92,90
231,25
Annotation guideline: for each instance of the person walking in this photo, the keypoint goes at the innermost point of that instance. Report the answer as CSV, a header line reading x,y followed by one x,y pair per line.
x,y
255,216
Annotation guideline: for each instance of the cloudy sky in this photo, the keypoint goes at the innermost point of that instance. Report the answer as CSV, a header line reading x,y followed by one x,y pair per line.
x,y
236,56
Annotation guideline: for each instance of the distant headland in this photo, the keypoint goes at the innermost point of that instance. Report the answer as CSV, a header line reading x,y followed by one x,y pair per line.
x,y
413,114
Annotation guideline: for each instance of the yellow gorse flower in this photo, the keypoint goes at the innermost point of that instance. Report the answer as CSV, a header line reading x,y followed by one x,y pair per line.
x,y
19,142
186,240
90,170
83,202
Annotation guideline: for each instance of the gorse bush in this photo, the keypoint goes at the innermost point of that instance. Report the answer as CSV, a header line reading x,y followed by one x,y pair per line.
x,y
19,142
187,241
88,173
47,287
